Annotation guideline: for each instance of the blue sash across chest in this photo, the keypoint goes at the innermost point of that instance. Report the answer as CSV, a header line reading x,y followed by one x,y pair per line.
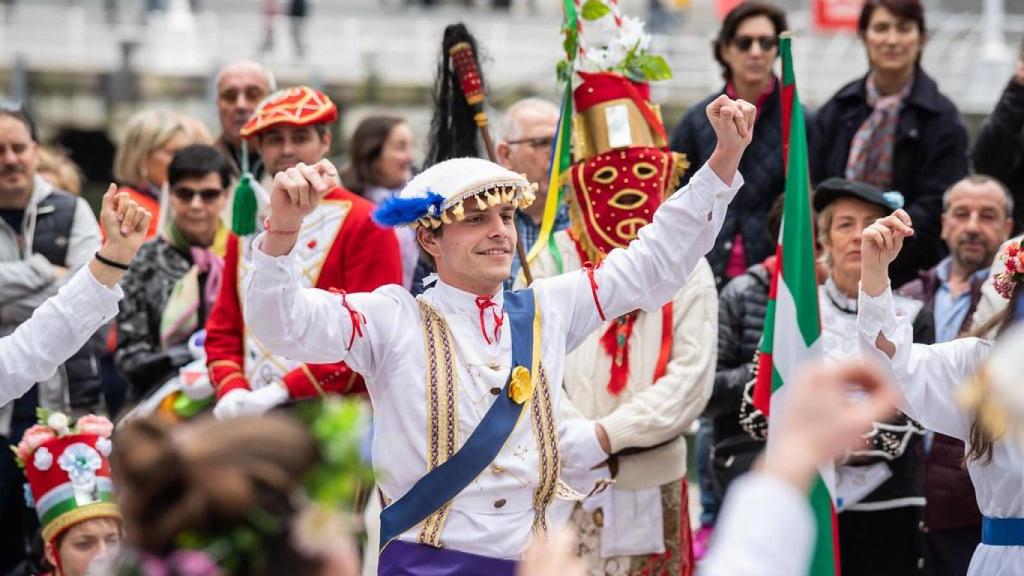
x,y
443,483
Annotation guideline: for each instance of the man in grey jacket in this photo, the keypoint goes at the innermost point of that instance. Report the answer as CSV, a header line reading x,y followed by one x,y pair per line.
x,y
44,234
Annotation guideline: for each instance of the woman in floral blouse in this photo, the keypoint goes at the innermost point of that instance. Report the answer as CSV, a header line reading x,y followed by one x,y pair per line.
x,y
175,279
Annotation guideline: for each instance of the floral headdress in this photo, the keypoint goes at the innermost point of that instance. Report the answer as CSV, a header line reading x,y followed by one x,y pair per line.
x,y
611,42
1006,281
328,503
67,470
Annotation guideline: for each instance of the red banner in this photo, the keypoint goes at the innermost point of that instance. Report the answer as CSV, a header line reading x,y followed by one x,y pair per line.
x,y
723,7
837,14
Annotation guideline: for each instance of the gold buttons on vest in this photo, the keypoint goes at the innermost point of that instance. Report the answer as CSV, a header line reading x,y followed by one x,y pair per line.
x,y
499,503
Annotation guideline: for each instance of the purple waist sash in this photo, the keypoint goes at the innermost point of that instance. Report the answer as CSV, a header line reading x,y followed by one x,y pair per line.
x,y
407,559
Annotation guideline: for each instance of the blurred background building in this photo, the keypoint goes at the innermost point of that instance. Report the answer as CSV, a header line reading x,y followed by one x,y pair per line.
x,y
83,66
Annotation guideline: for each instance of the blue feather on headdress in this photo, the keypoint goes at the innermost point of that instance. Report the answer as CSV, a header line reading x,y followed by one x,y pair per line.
x,y
397,211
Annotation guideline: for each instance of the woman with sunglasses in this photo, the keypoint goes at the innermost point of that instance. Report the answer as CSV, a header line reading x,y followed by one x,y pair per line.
x,y
173,283
893,129
746,48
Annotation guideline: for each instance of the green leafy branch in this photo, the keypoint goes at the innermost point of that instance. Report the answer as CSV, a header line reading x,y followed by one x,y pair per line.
x,y
638,65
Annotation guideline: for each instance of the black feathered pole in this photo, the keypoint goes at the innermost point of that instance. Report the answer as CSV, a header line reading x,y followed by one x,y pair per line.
x,y
453,131
459,113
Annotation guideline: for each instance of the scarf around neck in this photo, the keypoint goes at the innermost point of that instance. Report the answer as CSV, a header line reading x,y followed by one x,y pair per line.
x,y
871,150
180,317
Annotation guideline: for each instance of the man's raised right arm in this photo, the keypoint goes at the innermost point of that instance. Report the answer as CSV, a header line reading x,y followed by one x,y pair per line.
x,y
308,324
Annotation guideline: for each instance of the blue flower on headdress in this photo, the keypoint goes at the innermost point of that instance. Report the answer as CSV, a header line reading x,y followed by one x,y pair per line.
x,y
397,211
894,199
81,462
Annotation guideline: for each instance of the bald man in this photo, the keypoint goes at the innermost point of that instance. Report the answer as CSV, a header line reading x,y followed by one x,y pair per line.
x,y
240,87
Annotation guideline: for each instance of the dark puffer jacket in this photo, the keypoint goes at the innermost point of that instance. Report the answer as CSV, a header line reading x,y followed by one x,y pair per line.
x,y
742,305
763,179
999,149
741,311
930,155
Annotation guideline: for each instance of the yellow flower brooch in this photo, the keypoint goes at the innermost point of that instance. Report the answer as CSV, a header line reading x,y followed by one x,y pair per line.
x,y
521,386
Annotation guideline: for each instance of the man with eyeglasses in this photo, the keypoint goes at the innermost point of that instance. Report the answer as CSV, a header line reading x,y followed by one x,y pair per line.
x,y
527,133
340,248
44,234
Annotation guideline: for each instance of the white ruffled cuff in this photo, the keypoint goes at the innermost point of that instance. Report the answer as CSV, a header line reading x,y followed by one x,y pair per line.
x,y
876,314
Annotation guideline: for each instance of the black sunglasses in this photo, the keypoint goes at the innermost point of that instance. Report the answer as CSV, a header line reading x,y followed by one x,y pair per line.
x,y
744,43
185,194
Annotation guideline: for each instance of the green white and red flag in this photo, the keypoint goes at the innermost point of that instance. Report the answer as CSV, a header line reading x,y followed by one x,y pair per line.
x,y
792,322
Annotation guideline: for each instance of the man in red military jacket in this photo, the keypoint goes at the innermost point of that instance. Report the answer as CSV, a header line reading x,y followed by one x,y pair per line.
x,y
340,247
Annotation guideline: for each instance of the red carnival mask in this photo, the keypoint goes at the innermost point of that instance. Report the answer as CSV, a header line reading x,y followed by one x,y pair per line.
x,y
623,168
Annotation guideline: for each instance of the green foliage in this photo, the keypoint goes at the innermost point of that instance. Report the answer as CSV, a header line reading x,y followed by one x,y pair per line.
x,y
564,71
241,547
654,67
594,10
17,458
638,65
340,427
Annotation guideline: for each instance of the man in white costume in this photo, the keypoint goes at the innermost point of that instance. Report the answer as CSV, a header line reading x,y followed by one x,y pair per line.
x,y
464,379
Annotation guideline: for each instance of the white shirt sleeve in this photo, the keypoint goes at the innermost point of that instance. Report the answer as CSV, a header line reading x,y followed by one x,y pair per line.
x,y
312,325
56,330
654,266
766,528
927,376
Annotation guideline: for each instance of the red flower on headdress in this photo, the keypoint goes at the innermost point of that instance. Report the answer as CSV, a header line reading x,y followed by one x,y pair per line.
x,y
1006,281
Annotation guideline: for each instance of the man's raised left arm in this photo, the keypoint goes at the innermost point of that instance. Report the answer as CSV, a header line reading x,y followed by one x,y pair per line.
x,y
655,265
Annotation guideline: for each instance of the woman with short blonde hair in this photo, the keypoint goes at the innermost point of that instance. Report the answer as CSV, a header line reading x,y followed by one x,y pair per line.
x,y
140,165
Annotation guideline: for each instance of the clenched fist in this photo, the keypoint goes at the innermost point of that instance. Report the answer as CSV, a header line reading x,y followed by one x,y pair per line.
x,y
880,243
733,122
124,223
297,192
